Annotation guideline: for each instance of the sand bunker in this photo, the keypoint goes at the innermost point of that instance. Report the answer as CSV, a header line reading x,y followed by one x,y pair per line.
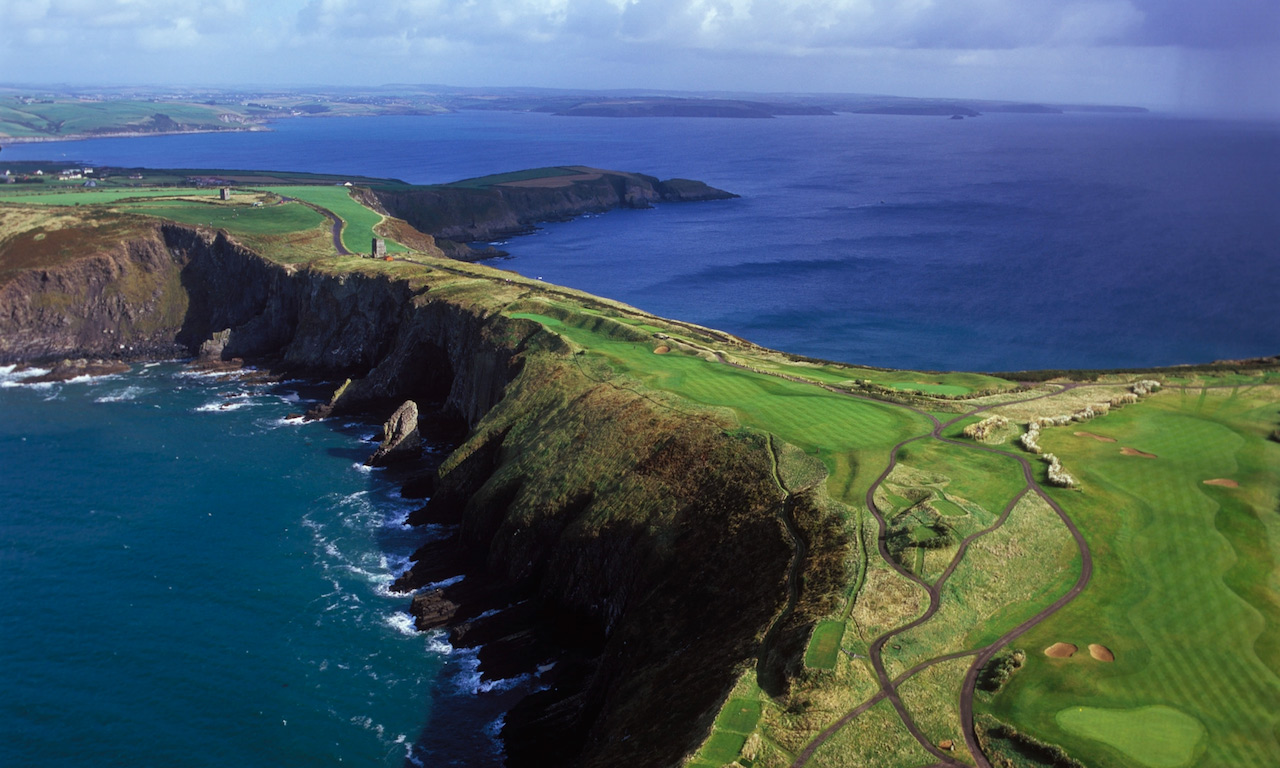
x,y
1101,652
1136,452
662,350
1061,651
1099,438
1223,481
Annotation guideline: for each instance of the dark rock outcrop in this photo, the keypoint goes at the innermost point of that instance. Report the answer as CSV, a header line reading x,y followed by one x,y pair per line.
x,y
400,439
486,212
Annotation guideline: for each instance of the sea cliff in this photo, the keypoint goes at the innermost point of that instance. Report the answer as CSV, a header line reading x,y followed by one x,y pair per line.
x,y
646,546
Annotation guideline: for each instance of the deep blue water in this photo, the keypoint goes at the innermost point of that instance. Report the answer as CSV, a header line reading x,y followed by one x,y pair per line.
x,y
188,579
998,243
187,584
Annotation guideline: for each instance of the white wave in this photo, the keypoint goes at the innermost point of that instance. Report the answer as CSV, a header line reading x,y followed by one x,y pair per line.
x,y
224,404
361,467
10,376
190,374
493,729
291,397
471,681
411,757
369,725
396,564
296,421
503,685
446,582
402,623
438,642
122,395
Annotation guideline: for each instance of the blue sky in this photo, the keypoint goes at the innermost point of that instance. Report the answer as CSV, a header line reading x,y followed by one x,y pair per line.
x,y
1195,54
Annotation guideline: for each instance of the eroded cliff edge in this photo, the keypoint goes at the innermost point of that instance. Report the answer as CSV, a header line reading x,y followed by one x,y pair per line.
x,y
642,536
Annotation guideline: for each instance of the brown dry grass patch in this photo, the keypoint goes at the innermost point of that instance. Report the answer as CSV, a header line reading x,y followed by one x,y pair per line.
x,y
403,232
1101,652
1225,482
1099,438
1135,452
1061,651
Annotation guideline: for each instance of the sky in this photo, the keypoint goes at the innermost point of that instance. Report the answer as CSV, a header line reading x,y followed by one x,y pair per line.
x,y
1203,55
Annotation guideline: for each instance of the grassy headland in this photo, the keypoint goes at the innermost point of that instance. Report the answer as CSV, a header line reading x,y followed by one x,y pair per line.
x,y
787,562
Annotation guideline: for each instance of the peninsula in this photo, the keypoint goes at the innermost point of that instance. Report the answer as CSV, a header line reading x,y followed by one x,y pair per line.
x,y
732,555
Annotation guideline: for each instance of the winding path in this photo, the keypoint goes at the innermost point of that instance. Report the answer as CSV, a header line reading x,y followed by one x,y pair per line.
x,y
336,221
889,687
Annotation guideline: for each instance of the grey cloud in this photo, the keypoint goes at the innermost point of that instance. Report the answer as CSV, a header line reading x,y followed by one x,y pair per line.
x,y
1209,23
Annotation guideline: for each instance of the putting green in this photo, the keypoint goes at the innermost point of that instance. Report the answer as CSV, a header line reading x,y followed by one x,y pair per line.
x,y
1156,736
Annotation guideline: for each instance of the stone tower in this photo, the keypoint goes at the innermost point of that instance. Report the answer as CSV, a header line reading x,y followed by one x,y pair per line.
x,y
379,248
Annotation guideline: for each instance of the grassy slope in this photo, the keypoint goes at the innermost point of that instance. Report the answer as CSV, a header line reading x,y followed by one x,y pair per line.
x,y
289,233
69,118
1185,591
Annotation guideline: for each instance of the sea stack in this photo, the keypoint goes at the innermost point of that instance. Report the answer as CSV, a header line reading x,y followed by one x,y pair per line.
x,y
400,438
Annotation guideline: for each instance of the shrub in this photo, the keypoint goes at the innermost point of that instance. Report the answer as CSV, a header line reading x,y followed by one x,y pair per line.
x,y
986,429
999,669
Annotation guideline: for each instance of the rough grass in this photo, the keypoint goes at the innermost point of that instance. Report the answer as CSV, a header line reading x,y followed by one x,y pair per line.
x,y
484,182
1184,591
878,738
932,697
92,196
1006,576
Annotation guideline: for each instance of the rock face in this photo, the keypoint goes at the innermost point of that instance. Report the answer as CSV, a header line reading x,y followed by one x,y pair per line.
x,y
400,439
642,550
467,214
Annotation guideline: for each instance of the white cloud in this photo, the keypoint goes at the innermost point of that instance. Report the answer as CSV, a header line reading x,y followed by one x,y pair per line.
x,y
920,47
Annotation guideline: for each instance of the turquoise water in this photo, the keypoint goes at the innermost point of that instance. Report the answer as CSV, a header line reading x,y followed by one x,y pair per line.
x,y
188,578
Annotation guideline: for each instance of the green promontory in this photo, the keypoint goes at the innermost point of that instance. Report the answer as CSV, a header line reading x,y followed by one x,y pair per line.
x,y
732,555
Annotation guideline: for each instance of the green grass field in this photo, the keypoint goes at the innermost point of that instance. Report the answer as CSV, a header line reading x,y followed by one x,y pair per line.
x,y
1184,590
236,219
1155,737
358,231
67,117
848,435
824,646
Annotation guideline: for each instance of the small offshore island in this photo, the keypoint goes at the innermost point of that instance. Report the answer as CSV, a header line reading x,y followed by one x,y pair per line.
x,y
732,555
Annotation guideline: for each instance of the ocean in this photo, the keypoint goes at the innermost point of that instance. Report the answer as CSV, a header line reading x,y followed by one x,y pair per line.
x,y
189,578
1004,242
